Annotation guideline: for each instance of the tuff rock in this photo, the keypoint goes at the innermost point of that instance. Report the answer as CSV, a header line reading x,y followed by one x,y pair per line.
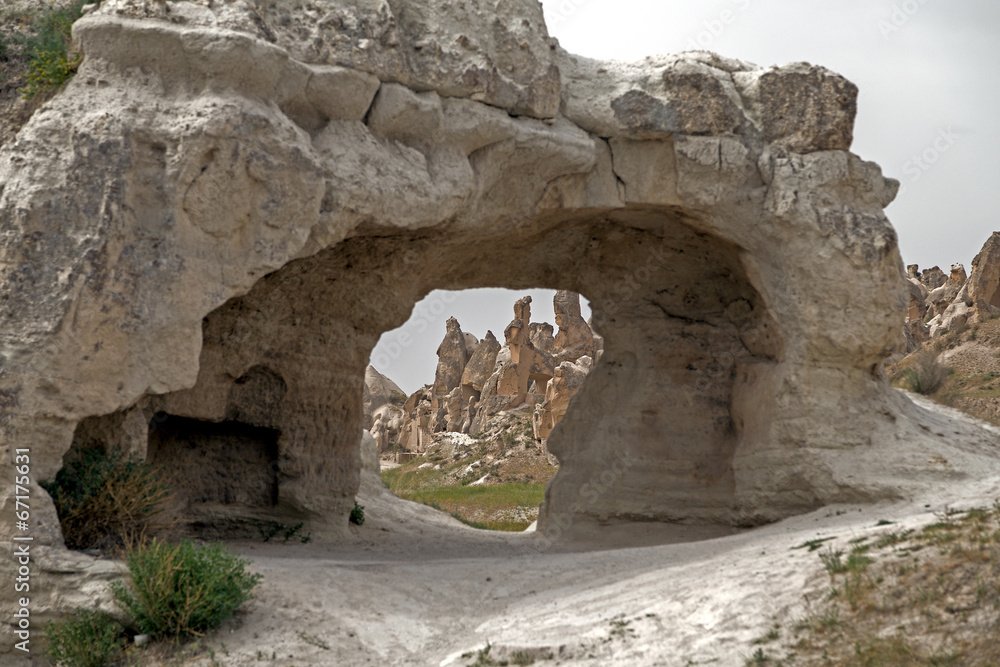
x,y
209,227
956,301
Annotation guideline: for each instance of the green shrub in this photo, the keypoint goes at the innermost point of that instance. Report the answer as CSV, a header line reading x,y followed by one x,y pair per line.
x,y
358,514
88,639
106,499
183,590
49,70
47,47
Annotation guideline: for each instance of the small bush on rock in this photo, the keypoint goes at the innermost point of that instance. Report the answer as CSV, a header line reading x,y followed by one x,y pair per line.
x,y
88,639
47,47
358,514
183,590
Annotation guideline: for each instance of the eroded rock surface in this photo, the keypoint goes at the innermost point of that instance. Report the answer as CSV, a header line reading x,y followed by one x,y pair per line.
x,y
217,246
939,305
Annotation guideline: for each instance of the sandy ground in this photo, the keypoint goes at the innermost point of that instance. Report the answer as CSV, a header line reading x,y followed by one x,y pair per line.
x,y
414,587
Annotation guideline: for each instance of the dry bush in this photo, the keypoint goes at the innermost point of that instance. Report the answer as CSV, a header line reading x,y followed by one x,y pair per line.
x,y
107,500
927,375
924,597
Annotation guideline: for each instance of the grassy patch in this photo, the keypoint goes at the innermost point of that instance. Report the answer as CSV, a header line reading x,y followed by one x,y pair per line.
x,y
409,479
916,597
471,503
515,468
88,639
813,545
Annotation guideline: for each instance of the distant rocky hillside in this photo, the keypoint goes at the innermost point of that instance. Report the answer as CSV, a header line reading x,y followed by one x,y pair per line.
x,y
478,381
953,334
941,304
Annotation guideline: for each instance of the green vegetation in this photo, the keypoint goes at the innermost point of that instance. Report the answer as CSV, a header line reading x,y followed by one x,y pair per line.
x,y
183,590
107,499
357,514
914,597
271,529
970,382
467,502
88,639
47,47
172,591
515,468
813,545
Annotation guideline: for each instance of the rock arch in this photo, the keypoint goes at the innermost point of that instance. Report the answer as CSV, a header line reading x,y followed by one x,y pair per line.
x,y
175,219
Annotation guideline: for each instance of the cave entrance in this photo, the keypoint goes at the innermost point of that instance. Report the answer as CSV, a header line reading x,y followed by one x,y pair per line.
x,y
467,430
220,472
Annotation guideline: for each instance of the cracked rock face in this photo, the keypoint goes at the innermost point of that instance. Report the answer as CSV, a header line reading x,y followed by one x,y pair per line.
x,y
209,228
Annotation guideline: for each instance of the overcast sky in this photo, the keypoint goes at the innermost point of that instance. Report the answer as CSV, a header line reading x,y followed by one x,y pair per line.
x,y
929,79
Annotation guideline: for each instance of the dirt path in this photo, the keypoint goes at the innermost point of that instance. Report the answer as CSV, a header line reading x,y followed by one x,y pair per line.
x,y
414,587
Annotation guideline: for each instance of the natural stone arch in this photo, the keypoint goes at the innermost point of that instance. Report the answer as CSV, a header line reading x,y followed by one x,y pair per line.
x,y
690,292
173,217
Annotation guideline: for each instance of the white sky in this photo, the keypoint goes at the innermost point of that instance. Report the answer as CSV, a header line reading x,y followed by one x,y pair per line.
x,y
929,79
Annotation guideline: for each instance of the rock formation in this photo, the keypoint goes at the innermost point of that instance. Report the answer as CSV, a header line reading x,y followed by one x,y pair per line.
x,y
494,379
382,401
956,301
983,287
480,367
453,354
217,245
567,380
574,342
575,338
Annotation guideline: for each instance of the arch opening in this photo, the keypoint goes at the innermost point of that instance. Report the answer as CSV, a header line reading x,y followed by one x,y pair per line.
x,y
469,432
687,338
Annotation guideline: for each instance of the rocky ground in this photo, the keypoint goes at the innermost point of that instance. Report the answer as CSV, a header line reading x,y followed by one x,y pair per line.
x,y
970,360
504,457
412,586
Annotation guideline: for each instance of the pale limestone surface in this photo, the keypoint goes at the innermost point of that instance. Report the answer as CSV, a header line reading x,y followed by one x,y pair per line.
x,y
182,234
